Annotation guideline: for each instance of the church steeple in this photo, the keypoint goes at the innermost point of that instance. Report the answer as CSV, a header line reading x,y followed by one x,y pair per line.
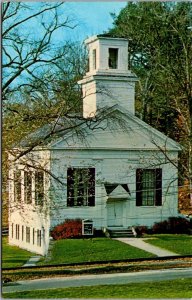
x,y
108,81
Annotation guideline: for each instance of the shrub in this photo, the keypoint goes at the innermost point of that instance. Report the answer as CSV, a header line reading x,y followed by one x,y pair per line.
x,y
141,230
160,227
68,229
98,233
176,225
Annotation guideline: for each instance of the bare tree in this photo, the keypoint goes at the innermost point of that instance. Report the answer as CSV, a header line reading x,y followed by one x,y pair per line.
x,y
28,35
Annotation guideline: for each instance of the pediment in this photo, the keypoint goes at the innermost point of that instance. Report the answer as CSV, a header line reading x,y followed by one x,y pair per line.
x,y
119,192
111,187
131,134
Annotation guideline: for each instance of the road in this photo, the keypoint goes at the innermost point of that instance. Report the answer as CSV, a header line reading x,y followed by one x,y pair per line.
x,y
101,279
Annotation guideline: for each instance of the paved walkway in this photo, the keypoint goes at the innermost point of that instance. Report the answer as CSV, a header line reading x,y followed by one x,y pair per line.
x,y
139,243
32,261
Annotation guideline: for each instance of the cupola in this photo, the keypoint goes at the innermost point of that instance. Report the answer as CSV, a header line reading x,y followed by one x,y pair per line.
x,y
108,81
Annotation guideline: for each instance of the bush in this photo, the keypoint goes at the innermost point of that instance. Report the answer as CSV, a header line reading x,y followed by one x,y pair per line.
x,y
141,230
98,233
68,229
176,225
160,227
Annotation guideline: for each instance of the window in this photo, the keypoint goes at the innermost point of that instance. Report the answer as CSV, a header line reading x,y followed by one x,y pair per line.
x,y
12,229
38,237
81,187
39,187
22,233
17,232
28,187
149,187
17,185
94,59
113,58
33,236
27,234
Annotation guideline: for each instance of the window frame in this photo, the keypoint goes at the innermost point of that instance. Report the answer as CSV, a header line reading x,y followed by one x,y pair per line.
x,y
28,229
157,188
17,185
12,230
78,194
28,187
113,58
94,59
39,237
22,233
33,236
39,188
17,231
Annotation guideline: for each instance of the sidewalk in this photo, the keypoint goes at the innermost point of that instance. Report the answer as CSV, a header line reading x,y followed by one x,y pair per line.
x,y
32,261
139,243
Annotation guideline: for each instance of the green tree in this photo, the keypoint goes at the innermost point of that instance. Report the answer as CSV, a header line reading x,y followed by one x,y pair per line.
x,y
160,47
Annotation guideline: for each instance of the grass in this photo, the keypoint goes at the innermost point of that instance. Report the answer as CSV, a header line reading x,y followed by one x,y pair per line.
x,y
13,256
96,249
180,288
178,243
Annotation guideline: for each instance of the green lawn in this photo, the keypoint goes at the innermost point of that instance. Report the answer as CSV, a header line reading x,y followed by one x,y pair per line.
x,y
96,249
178,243
180,288
13,256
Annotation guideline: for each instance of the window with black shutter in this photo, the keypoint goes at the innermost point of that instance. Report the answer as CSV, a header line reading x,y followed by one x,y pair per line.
x,y
81,187
148,187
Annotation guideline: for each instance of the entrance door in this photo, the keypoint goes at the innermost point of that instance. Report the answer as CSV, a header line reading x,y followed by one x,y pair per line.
x,y
115,213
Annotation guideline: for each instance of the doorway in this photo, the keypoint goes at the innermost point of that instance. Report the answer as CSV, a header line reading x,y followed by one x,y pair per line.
x,y
115,213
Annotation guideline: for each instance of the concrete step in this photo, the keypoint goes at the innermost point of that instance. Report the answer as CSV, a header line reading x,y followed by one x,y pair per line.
x,y
123,232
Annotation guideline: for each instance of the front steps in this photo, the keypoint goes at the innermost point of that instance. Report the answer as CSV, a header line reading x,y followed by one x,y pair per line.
x,y
120,232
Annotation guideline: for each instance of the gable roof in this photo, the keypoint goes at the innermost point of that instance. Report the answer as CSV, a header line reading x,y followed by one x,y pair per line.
x,y
125,131
132,133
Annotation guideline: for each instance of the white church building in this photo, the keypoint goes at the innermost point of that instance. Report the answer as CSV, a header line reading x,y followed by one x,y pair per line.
x,y
121,174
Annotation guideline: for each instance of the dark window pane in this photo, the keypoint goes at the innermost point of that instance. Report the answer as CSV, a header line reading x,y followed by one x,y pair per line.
x,y
27,234
113,58
38,237
28,186
39,187
17,185
148,187
22,232
81,187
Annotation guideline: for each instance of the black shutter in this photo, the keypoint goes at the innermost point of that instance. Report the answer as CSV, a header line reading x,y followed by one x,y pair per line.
x,y
70,187
139,173
158,198
91,198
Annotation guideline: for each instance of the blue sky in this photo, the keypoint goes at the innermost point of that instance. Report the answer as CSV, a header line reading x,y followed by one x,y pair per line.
x,y
92,17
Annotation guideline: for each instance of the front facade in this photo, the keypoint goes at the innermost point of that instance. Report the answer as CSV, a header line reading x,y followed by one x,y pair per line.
x,y
123,174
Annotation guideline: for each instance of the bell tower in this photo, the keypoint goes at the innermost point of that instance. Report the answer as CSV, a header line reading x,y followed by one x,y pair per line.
x,y
108,81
